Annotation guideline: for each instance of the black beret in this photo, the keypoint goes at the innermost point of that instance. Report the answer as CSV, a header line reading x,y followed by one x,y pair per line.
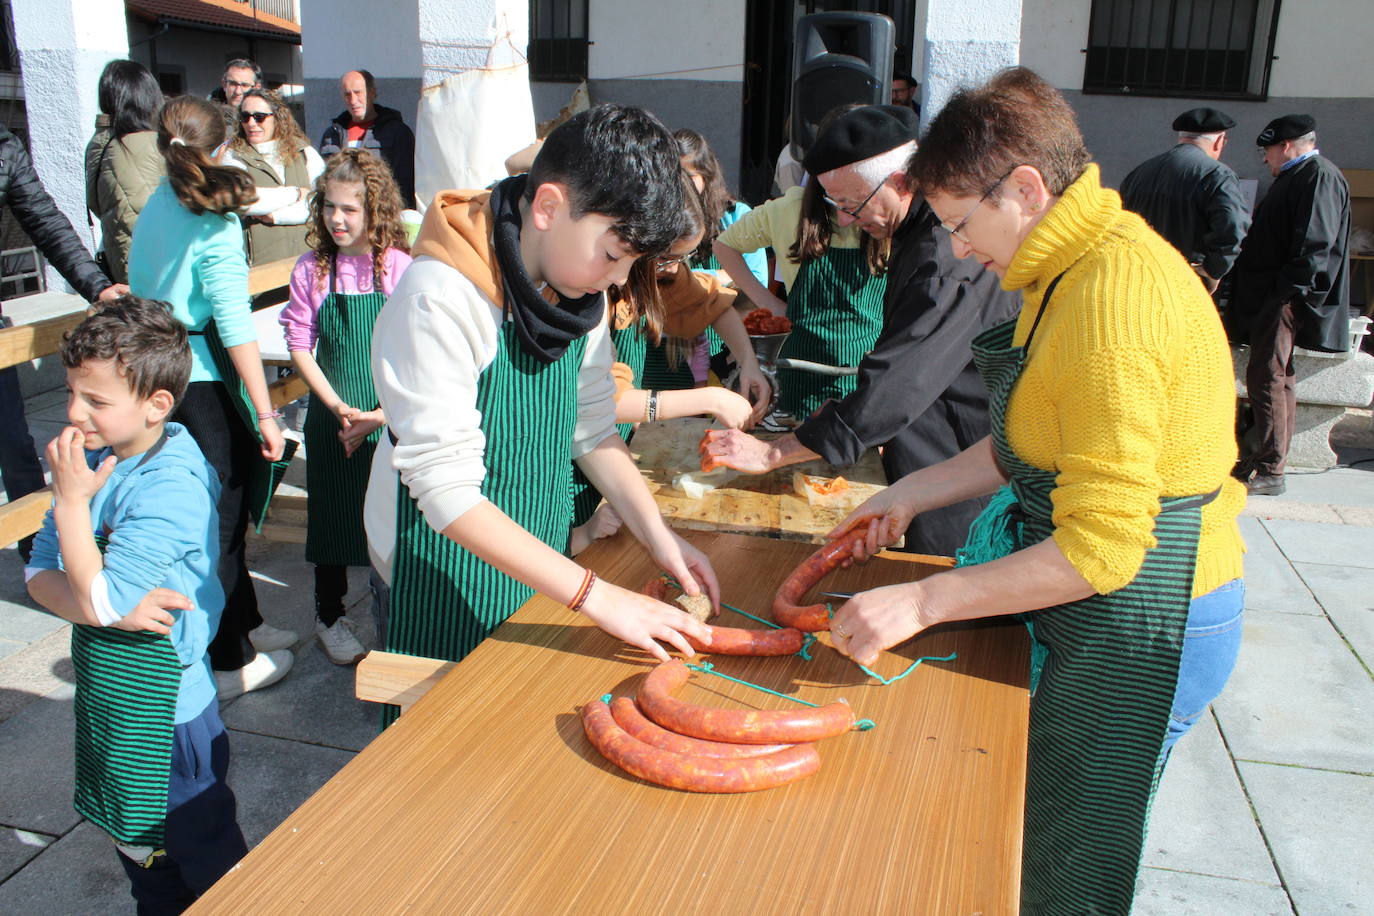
x,y
1287,127
1203,121
861,134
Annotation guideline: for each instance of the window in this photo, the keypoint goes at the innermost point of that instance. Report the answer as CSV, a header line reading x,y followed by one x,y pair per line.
x,y
558,40
1206,48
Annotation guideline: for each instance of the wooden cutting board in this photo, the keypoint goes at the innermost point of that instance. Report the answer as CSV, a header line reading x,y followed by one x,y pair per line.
x,y
762,504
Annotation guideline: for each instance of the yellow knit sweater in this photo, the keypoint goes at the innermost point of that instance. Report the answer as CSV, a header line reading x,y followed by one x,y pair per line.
x,y
1127,394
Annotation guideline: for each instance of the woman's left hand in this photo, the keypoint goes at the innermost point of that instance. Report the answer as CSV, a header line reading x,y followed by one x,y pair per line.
x,y
879,619
359,425
689,567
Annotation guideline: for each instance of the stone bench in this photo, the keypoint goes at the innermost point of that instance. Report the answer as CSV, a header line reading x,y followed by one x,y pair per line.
x,y
1327,384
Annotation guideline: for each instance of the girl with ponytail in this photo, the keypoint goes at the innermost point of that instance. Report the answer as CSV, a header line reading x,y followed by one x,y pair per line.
x,y
188,250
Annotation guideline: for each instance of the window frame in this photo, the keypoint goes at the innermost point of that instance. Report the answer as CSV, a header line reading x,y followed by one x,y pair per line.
x,y
557,58
1258,61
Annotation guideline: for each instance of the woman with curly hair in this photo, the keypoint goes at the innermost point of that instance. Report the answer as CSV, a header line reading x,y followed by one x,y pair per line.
x,y
272,149
337,290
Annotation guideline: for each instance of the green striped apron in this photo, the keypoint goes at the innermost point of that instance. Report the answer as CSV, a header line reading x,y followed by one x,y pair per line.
x,y
126,699
1099,713
444,600
836,309
265,475
335,482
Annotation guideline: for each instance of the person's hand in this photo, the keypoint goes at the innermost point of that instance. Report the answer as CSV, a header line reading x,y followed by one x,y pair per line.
x,y
358,427
731,409
272,442
113,292
878,619
753,384
1208,281
267,220
886,513
152,613
642,621
72,478
733,448
688,566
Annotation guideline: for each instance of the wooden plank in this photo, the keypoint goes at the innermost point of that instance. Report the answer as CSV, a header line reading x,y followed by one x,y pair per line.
x,y
264,278
387,677
26,342
285,390
486,798
23,516
282,534
744,504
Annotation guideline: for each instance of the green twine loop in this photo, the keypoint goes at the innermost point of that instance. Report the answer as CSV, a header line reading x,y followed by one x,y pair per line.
x,y
861,725
806,643
864,725
606,698
892,680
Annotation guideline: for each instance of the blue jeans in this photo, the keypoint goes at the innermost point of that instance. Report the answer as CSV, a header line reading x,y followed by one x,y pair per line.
x,y
203,840
1211,643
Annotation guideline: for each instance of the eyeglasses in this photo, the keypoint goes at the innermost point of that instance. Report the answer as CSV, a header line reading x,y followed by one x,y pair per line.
x,y
958,230
665,262
857,210
259,116
232,84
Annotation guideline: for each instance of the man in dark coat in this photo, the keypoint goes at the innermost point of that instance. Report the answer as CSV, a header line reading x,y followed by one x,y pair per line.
x,y
51,232
1292,287
1188,196
919,395
372,127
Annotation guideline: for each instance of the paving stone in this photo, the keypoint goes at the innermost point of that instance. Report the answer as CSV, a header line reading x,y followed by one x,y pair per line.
x,y
335,717
23,625
1270,583
1201,821
1346,593
1356,515
1159,892
1337,486
17,847
37,760
8,647
1267,507
35,671
77,874
1306,542
272,778
1321,827
1298,696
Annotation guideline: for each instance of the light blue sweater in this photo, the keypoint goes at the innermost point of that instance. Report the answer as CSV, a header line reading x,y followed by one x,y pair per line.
x,y
163,532
197,264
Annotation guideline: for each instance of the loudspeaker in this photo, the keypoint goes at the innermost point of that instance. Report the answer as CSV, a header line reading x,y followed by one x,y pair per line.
x,y
838,58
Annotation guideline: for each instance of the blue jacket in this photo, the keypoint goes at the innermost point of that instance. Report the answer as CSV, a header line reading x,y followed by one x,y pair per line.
x,y
163,531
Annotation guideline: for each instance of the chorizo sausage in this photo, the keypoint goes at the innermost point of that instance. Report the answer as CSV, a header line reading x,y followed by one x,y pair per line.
x,y
628,716
693,773
814,617
735,640
735,726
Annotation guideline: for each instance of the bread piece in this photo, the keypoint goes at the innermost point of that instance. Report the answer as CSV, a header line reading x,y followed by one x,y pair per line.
x,y
698,607
821,491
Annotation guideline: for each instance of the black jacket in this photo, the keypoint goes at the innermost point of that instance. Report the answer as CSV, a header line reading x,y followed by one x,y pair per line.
x,y
918,392
389,136
1193,201
45,225
1298,250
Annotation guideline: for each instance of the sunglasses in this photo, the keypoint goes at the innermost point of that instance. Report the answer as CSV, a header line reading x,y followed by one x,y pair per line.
x,y
259,116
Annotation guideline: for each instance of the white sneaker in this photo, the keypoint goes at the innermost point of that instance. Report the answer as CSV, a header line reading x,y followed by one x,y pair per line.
x,y
267,638
263,671
339,642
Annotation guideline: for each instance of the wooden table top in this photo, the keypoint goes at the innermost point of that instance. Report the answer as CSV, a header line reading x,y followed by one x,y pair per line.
x,y
486,797
763,504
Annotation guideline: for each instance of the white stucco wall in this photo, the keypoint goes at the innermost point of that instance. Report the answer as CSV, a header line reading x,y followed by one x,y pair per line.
x,y
692,41
330,33
964,45
63,46
455,35
1324,47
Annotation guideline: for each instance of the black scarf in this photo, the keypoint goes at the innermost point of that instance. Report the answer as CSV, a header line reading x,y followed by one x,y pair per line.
x,y
546,329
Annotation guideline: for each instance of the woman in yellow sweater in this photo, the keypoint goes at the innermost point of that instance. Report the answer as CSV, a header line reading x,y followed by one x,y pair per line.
x,y
1112,404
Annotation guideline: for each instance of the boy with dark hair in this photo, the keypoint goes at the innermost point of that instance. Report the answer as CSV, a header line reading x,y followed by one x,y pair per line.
x,y
492,360
128,554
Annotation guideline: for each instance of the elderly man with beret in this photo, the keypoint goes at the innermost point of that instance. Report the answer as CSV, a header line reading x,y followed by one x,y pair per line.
x,y
1292,288
1190,197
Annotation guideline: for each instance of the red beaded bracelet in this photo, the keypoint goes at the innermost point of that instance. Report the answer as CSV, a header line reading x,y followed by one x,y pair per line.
x,y
586,589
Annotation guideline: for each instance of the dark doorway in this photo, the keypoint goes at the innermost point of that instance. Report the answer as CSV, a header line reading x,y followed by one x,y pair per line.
x,y
769,26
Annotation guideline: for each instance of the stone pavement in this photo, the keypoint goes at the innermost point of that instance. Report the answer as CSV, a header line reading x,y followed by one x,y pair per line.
x,y
1267,808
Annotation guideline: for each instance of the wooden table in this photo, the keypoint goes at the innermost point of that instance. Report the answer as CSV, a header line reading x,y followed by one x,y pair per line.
x,y
486,797
747,503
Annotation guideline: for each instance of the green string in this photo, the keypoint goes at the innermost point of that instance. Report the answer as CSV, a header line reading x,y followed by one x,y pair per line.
x,y
862,725
606,698
801,653
892,680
